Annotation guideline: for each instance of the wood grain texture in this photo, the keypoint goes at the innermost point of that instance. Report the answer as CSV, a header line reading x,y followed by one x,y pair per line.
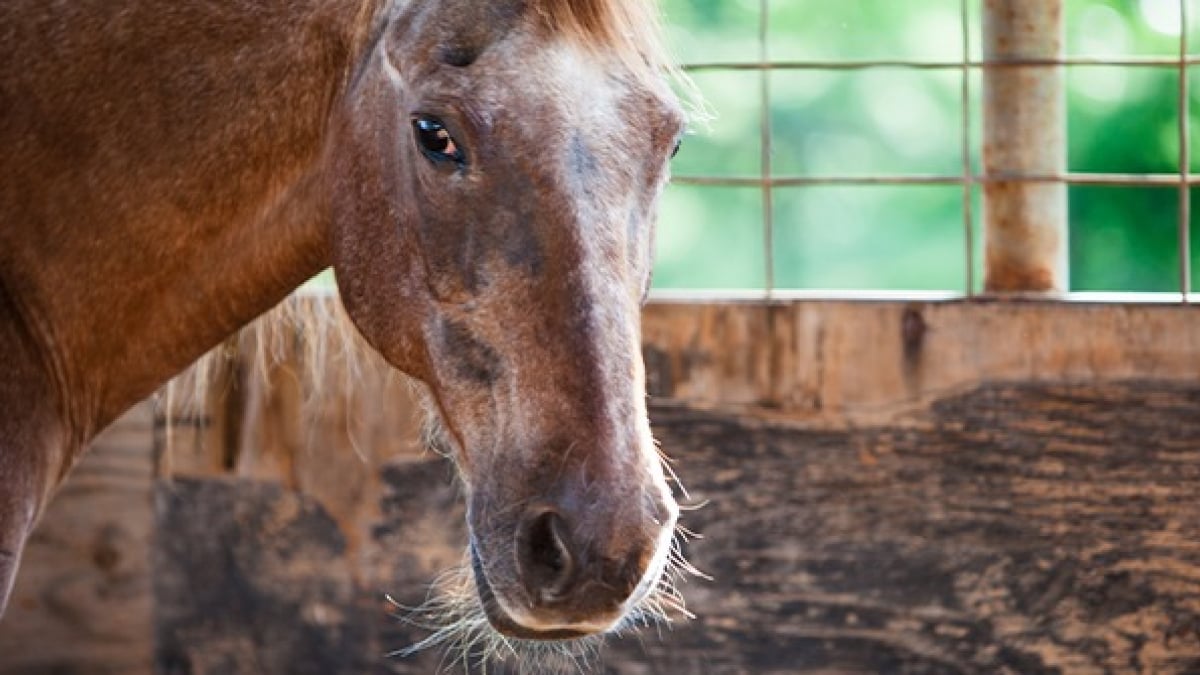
x,y
83,605
257,579
1015,528
892,487
252,578
847,363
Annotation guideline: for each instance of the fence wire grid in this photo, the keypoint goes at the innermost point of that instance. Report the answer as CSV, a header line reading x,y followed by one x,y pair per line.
x,y
768,181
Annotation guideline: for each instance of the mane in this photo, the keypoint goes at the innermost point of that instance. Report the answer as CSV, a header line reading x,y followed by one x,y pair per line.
x,y
308,333
629,28
630,31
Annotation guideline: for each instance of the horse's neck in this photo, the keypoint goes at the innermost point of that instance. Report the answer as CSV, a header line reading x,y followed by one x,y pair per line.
x,y
162,180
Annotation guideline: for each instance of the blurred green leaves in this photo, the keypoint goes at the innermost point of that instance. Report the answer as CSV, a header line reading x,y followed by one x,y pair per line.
x,y
900,121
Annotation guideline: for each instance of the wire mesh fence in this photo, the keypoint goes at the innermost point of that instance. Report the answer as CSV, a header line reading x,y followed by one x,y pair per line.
x,y
1002,71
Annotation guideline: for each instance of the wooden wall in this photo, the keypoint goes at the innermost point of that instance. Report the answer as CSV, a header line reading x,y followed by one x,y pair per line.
x,y
964,487
83,601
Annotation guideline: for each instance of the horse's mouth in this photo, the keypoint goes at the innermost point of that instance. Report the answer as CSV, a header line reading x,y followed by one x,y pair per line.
x,y
500,619
468,615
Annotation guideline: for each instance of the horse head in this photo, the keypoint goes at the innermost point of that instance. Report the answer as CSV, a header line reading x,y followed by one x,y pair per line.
x,y
496,168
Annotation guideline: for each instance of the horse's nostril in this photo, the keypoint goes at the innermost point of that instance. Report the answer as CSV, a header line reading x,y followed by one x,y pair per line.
x,y
544,555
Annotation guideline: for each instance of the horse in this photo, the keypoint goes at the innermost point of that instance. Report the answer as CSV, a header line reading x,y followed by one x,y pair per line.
x,y
482,177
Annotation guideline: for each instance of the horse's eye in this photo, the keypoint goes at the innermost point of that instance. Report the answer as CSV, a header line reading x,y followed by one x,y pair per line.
x,y
435,141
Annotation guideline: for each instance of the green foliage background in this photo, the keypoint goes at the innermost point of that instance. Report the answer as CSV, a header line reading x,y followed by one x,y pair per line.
x,y
906,121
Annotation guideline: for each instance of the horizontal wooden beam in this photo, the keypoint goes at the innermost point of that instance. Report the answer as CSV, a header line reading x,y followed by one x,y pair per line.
x,y
848,362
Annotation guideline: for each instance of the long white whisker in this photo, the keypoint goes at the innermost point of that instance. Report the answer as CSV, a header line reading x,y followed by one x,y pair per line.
x,y
458,624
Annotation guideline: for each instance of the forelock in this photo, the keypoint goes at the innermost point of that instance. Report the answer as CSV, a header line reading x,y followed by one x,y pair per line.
x,y
629,30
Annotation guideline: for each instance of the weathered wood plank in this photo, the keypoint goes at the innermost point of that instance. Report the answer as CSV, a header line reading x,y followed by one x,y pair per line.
x,y
867,362
252,578
893,487
82,605
257,579
1014,528
962,487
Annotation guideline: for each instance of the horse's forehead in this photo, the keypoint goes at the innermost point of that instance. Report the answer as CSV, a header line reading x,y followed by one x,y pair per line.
x,y
500,52
456,31
553,70
559,80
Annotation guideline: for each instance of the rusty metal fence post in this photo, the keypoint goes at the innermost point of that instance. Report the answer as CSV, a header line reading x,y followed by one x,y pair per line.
x,y
1024,135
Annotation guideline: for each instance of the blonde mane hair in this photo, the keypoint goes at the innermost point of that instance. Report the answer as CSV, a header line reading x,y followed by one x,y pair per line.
x,y
309,330
630,29
632,32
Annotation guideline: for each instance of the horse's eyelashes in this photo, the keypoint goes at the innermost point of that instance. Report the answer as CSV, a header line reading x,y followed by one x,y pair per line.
x,y
435,142
675,150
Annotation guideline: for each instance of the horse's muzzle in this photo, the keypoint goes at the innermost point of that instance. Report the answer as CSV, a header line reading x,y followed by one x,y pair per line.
x,y
569,582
